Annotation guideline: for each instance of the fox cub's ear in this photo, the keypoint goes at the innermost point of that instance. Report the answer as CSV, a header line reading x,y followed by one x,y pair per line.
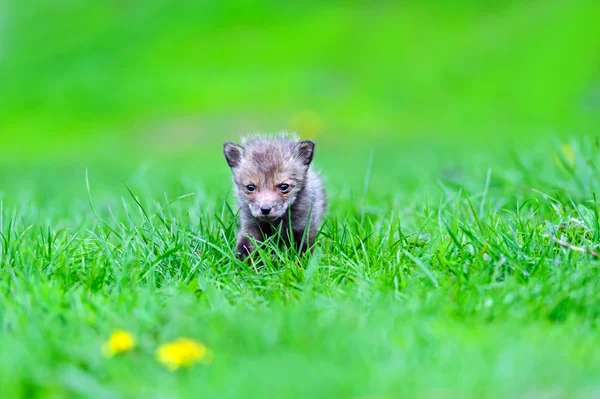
x,y
233,154
306,149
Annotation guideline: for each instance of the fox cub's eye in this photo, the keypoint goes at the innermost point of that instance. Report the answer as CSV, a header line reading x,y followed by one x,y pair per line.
x,y
283,187
250,188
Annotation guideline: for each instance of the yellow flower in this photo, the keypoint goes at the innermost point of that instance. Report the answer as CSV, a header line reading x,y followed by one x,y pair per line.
x,y
306,123
567,154
119,341
183,352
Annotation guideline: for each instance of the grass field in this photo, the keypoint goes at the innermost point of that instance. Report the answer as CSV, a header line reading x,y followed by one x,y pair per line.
x,y
459,143
447,285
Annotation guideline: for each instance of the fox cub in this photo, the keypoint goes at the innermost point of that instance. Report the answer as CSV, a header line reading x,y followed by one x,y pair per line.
x,y
278,192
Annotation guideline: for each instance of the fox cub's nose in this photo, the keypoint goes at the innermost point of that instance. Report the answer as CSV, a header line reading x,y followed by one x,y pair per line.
x,y
265,209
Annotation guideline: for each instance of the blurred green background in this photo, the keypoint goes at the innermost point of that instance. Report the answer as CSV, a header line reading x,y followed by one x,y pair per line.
x,y
109,79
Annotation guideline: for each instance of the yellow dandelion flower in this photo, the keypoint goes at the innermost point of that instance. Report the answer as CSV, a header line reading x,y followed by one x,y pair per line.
x,y
567,154
183,352
119,341
306,123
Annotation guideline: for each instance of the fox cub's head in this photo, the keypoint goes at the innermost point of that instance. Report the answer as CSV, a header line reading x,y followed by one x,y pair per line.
x,y
269,173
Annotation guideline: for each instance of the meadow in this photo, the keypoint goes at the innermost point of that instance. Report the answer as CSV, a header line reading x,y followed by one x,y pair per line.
x,y
454,290
460,254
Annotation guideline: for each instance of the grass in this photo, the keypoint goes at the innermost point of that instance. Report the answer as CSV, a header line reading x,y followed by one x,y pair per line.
x,y
440,280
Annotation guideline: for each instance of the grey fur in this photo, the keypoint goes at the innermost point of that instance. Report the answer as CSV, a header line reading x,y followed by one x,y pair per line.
x,y
265,162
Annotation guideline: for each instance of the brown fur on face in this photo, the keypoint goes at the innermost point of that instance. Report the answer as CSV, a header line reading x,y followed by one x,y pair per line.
x,y
267,164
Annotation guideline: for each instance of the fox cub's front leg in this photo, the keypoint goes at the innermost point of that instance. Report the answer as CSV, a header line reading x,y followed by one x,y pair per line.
x,y
244,245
